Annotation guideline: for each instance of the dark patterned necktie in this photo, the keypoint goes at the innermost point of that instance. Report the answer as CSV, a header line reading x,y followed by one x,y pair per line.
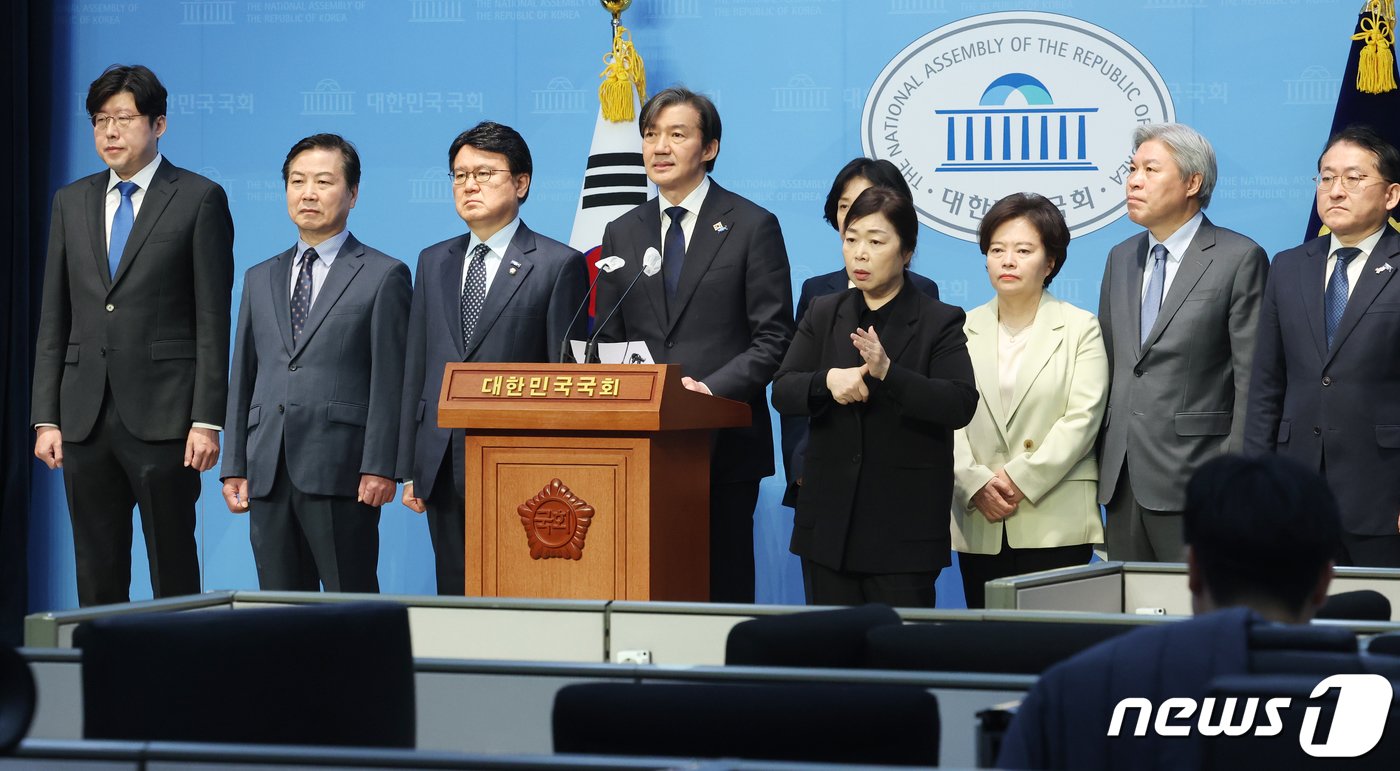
x,y
673,251
473,292
301,298
1337,290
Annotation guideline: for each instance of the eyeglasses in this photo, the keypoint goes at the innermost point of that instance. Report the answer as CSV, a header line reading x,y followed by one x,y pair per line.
x,y
123,121
482,176
1350,182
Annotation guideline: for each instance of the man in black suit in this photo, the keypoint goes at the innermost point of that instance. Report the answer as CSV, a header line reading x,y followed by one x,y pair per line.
x,y
130,376
313,409
498,293
1325,369
721,307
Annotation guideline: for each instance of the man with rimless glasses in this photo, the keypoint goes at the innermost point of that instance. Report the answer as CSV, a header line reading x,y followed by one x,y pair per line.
x,y
498,293
130,376
1326,373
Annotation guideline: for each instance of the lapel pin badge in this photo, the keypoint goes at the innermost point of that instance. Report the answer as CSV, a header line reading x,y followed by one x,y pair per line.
x,y
720,227
514,267
1385,267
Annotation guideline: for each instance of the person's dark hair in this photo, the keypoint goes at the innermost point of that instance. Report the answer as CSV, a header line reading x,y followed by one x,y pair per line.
x,y
710,126
1260,527
349,158
879,173
144,86
1044,216
1365,137
491,137
896,207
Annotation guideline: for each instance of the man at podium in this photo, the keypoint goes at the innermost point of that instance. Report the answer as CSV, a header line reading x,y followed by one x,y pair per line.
x,y
498,293
721,307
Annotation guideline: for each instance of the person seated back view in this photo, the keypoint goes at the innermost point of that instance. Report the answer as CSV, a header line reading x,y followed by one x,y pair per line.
x,y
1262,534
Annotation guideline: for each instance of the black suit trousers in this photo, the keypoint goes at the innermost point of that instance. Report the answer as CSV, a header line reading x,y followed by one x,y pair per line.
x,y
303,541
447,520
731,540
104,476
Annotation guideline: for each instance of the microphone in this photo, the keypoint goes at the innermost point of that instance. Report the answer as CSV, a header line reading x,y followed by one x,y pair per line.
x,y
651,265
605,265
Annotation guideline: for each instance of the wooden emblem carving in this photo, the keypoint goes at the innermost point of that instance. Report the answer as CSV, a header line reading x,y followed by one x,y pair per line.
x,y
556,522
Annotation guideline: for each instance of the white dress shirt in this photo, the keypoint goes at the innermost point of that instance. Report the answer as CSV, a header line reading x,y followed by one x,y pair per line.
x,y
1357,264
142,179
691,204
326,252
497,244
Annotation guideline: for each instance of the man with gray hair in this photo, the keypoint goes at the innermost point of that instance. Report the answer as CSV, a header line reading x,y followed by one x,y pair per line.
x,y
1178,307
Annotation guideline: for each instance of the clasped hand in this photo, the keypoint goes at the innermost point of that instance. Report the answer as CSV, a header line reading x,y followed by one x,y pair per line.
x,y
999,498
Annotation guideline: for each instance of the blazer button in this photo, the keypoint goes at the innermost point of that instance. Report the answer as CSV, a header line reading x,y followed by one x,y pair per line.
x,y
855,458
111,307
1137,372
1317,431
280,408
1327,380
294,367
1029,444
670,343
102,353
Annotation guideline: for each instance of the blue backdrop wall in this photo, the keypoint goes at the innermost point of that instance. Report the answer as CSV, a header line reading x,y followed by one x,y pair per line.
x,y
401,78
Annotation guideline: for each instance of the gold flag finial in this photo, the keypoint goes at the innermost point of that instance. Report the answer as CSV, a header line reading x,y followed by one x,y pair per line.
x,y
1375,69
623,69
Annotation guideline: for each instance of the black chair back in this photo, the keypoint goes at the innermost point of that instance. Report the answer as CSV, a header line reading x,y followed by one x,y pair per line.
x,y
17,698
1007,647
816,723
819,638
1360,605
339,675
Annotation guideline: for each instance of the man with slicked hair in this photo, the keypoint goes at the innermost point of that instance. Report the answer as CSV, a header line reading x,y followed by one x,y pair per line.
x,y
131,369
721,307
1326,373
1178,308
313,409
498,293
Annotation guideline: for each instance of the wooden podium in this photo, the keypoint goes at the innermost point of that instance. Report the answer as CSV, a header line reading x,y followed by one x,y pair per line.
x,y
585,481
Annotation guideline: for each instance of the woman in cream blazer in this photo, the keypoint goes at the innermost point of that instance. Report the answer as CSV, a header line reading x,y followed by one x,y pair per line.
x,y
1025,477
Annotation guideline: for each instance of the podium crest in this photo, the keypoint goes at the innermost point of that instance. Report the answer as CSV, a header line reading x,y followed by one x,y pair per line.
x,y
556,522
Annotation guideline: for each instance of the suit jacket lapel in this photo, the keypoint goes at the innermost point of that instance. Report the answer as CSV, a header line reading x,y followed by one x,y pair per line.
x,y
97,226
347,263
153,202
504,284
1047,335
843,354
1312,287
705,243
1193,265
904,316
837,282
981,330
1368,287
649,224
1129,288
281,278
447,275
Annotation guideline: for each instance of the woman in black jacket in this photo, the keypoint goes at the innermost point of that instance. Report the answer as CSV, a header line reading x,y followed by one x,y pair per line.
x,y
883,372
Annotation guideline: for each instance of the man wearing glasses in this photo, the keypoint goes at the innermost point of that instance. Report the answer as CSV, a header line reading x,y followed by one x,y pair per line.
x,y
498,293
130,376
1326,374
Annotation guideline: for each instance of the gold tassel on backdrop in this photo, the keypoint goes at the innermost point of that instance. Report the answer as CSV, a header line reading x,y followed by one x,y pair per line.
x,y
1375,71
624,71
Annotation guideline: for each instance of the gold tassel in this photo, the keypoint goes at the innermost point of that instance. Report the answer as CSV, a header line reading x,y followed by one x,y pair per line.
x,y
622,72
1375,70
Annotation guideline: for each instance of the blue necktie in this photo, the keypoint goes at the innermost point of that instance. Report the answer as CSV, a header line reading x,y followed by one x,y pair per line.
x,y
673,251
121,227
301,298
473,292
1337,290
1152,301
